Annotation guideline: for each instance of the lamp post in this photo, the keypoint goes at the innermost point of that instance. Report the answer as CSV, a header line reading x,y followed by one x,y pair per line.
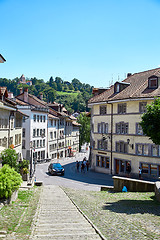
x,y
30,160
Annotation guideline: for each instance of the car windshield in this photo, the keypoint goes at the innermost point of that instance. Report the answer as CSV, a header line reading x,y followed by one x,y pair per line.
x,y
57,165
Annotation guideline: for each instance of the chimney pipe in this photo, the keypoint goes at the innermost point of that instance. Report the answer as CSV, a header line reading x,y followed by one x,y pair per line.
x,y
21,90
25,95
41,96
129,74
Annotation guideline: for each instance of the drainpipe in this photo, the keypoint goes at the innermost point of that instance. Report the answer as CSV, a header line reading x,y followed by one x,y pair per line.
x,y
111,134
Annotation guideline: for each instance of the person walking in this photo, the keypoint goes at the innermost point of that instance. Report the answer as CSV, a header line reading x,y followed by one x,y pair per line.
x,y
87,165
140,173
77,166
82,166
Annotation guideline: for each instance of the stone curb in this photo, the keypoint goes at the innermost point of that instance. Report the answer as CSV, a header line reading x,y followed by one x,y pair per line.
x,y
92,224
35,216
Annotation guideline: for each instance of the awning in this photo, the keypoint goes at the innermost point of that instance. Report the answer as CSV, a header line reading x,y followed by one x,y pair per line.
x,y
69,148
73,151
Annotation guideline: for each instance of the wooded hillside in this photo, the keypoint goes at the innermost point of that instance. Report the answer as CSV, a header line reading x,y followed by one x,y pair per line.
x,y
74,95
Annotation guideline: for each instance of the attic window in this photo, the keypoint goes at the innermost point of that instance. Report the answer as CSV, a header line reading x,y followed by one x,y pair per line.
x,y
153,82
117,88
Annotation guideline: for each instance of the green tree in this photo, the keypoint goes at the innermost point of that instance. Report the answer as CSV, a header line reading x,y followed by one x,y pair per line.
x,y
84,129
10,181
9,156
151,121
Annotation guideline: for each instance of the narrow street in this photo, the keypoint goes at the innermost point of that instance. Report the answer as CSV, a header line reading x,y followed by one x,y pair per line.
x,y
90,180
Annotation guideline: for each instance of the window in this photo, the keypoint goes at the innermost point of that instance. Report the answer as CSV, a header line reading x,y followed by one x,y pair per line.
x,y
153,82
102,161
37,143
139,129
44,118
34,132
37,118
43,142
154,150
122,108
54,134
40,132
102,145
12,123
142,149
98,161
142,107
40,143
41,118
34,118
51,135
145,168
44,131
37,132
122,147
23,132
34,144
122,128
52,122
23,144
102,127
103,110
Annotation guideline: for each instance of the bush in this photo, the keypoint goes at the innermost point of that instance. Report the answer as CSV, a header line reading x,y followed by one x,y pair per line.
x,y
23,164
10,181
9,156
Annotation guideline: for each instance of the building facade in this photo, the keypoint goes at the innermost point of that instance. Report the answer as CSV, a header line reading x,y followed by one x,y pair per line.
x,y
117,138
10,124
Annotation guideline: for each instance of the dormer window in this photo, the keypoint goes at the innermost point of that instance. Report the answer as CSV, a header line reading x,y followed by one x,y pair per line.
x,y
119,86
153,82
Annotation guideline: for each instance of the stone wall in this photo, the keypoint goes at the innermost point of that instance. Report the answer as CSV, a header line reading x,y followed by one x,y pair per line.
x,y
132,185
157,191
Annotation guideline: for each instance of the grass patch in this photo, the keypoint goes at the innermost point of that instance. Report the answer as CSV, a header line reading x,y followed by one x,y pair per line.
x,y
120,215
67,93
18,216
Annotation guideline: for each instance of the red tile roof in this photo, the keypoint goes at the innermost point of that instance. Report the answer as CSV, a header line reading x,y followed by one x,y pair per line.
x,y
138,88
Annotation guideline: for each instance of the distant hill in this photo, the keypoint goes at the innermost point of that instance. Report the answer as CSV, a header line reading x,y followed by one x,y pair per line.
x,y
74,95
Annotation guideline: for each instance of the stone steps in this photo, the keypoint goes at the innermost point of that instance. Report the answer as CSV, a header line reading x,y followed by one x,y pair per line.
x,y
57,218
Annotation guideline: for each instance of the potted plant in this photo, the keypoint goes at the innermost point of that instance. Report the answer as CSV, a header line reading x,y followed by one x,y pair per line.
x,y
25,174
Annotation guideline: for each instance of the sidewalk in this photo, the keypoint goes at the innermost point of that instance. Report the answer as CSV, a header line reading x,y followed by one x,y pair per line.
x,y
58,218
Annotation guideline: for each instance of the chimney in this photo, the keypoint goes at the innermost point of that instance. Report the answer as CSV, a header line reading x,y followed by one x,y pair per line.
x,y
129,74
25,98
21,90
41,96
10,94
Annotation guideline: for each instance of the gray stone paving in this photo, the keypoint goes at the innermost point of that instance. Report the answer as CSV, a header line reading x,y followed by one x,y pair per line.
x,y
57,218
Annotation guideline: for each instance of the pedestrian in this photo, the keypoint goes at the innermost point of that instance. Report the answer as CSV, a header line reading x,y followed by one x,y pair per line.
x,y
128,169
77,166
140,172
82,166
87,165
85,162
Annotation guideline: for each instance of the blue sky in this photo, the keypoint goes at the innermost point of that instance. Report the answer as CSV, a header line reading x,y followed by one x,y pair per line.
x,y
96,41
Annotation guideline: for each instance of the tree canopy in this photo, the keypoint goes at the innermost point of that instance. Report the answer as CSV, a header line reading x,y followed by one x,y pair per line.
x,y
151,121
77,93
84,129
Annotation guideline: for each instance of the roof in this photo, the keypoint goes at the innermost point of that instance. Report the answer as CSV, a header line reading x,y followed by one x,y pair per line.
x,y
52,116
25,115
137,88
76,124
21,102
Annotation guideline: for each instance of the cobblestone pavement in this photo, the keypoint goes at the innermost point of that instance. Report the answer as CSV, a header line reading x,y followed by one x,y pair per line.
x,y
58,218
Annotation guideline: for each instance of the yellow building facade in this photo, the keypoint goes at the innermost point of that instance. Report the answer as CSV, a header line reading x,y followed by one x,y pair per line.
x,y
117,139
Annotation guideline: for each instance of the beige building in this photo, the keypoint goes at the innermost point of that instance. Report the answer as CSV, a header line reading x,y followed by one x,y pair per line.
x,y
10,124
116,136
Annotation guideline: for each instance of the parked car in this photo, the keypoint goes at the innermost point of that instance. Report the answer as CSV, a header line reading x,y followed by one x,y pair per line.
x,y
56,169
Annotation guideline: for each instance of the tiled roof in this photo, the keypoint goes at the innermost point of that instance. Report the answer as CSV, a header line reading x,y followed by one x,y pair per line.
x,y
52,116
21,102
138,88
